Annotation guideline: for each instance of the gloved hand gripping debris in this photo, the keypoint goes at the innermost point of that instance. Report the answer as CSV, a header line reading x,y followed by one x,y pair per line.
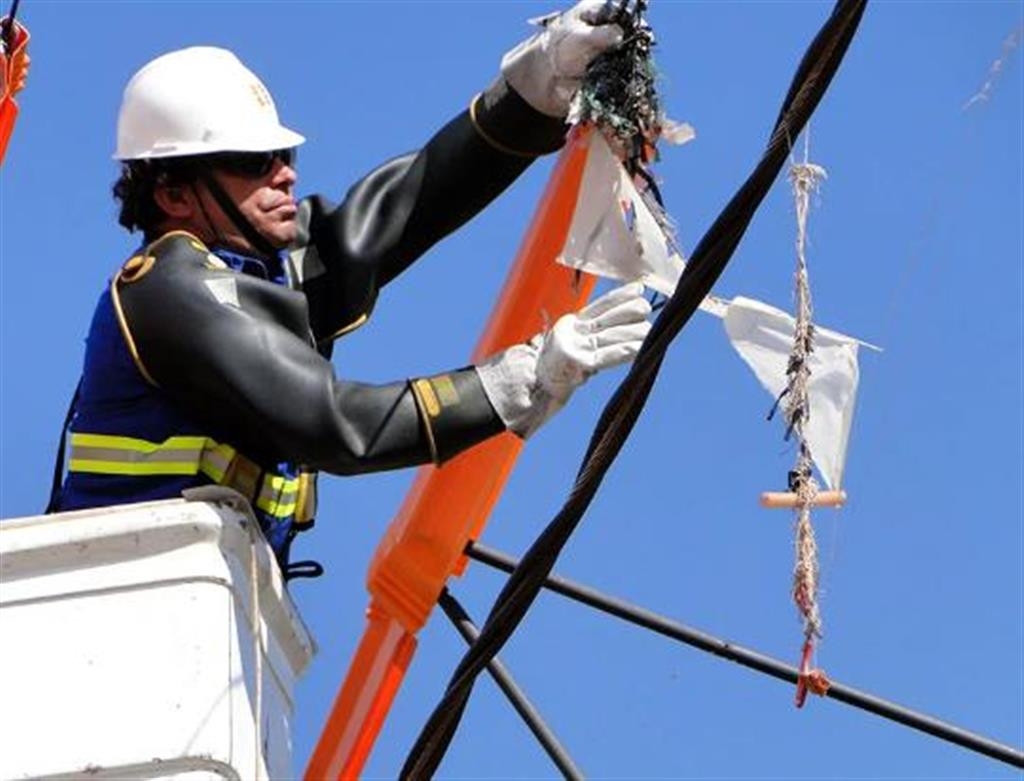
x,y
547,69
528,383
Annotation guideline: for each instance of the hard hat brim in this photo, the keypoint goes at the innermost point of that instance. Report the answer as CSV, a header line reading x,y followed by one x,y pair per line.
x,y
280,138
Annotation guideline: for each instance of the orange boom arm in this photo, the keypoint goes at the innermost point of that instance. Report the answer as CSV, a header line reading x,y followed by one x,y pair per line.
x,y
448,506
13,72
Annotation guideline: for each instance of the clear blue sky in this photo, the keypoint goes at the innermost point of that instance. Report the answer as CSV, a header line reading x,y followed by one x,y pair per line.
x,y
916,245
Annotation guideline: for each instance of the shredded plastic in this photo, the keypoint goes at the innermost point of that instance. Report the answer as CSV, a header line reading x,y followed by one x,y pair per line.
x,y
619,96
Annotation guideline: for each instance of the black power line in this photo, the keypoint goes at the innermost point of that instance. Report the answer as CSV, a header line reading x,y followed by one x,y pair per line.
x,y
814,74
755,661
458,616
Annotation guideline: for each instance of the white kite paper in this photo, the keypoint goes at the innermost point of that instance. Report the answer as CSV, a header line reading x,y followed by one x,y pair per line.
x,y
763,336
613,234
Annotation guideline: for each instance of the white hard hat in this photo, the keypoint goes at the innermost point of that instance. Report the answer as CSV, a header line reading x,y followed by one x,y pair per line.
x,y
197,101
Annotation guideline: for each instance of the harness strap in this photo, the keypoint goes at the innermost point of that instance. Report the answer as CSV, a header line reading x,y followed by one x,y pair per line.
x,y
303,569
306,500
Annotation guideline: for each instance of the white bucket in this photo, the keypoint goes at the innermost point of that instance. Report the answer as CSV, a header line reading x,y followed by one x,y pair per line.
x,y
128,649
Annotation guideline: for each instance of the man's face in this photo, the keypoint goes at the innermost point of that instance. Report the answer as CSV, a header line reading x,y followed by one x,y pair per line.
x,y
266,200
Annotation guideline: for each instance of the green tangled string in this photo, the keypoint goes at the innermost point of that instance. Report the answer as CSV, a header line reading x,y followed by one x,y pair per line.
x,y
618,94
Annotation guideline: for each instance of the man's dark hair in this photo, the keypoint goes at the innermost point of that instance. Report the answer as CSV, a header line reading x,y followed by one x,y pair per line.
x,y
136,185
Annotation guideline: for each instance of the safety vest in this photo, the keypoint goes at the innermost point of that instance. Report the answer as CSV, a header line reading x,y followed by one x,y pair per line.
x,y
130,442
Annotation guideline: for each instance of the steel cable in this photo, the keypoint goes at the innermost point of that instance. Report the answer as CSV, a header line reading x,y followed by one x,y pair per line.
x,y
503,678
702,641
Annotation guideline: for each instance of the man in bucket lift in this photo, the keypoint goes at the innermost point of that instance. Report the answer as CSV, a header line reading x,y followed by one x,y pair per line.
x,y
207,360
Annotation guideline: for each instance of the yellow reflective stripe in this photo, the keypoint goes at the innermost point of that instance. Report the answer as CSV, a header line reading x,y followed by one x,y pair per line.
x,y
109,454
278,511
137,445
275,482
279,486
216,460
127,468
278,495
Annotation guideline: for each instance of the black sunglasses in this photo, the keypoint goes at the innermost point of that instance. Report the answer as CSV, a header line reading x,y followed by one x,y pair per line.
x,y
251,165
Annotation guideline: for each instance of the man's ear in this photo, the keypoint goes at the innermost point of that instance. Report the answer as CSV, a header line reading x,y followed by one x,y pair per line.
x,y
176,201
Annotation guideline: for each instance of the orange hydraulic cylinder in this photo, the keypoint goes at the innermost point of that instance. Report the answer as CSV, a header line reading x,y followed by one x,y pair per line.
x,y
8,116
448,506
363,702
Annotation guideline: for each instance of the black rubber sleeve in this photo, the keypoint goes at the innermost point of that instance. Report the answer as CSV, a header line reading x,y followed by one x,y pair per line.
x,y
402,208
237,352
509,123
